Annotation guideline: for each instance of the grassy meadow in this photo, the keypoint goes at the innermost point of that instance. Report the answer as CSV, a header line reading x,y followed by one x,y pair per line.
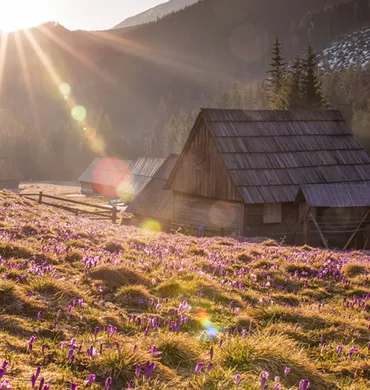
x,y
85,304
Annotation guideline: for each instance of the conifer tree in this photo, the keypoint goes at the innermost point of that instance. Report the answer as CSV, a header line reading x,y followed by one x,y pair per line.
x,y
277,77
311,84
294,99
236,96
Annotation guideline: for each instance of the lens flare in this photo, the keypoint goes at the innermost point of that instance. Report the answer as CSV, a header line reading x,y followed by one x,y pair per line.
x,y
107,175
79,113
203,318
126,189
65,89
151,224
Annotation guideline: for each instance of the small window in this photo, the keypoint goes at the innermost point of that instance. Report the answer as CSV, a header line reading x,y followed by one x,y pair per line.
x,y
272,213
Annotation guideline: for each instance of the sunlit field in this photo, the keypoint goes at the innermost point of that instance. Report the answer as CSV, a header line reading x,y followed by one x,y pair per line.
x,y
94,305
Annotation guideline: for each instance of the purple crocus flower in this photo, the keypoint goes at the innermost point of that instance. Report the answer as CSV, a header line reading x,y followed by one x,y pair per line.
x,y
39,316
304,384
211,353
352,351
131,385
148,370
38,370
43,348
70,355
263,380
286,371
33,381
30,343
155,351
108,383
137,370
42,381
46,387
5,365
209,368
2,372
74,386
198,368
96,331
237,379
339,350
90,380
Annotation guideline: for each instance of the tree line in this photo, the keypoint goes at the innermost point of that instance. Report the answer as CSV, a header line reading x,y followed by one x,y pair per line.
x,y
302,84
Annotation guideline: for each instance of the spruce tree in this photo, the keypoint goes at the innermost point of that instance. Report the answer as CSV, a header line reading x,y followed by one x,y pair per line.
x,y
236,96
294,99
311,84
277,77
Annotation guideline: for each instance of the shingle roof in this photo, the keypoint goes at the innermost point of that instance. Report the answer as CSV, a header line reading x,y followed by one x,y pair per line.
x,y
106,172
141,174
337,195
153,201
270,154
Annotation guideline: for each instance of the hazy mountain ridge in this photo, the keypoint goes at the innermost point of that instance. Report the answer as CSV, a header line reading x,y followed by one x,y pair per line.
x,y
155,13
126,74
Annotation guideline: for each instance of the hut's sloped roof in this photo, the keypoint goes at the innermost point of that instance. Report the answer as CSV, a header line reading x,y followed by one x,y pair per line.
x,y
154,201
106,172
270,154
142,173
337,195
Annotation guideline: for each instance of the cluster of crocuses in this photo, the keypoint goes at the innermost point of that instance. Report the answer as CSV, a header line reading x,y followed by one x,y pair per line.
x,y
4,382
34,380
304,384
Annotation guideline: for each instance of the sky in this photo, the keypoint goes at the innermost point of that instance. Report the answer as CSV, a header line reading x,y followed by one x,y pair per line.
x,y
73,14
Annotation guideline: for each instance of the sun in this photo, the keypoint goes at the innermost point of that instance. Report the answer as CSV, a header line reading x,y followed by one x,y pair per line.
x,y
22,14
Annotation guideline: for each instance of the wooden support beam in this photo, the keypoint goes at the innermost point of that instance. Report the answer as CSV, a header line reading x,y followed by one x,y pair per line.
x,y
357,229
319,230
302,218
306,227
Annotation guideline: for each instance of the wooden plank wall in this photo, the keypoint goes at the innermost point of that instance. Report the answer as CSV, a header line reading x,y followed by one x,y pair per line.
x,y
195,211
254,226
203,172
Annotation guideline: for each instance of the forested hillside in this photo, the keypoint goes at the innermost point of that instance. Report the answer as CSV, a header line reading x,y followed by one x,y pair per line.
x,y
77,94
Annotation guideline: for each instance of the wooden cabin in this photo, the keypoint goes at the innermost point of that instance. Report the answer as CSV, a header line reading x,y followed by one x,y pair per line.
x,y
103,176
9,174
142,172
271,174
154,203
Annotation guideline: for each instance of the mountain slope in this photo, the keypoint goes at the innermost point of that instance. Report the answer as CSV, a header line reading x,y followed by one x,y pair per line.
x,y
351,49
156,13
84,301
122,77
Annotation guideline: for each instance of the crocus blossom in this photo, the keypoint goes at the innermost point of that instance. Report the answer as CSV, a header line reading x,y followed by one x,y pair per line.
x,y
90,380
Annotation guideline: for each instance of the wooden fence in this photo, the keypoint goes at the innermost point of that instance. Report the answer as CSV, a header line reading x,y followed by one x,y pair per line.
x,y
98,212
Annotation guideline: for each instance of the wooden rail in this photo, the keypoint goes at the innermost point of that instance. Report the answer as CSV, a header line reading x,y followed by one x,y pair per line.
x,y
105,213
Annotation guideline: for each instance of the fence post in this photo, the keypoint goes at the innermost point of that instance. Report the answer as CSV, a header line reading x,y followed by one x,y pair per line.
x,y
114,215
40,197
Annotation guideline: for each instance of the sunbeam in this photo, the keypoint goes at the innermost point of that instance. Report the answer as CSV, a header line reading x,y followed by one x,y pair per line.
x,y
77,111
26,76
3,47
176,62
64,45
